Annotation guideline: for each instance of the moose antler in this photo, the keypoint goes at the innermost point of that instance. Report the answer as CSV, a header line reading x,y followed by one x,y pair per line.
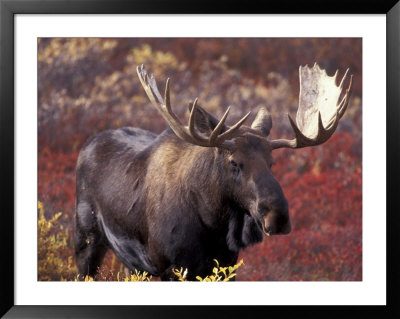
x,y
186,133
319,113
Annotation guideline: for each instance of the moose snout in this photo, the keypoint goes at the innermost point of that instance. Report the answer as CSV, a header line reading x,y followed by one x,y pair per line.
x,y
275,217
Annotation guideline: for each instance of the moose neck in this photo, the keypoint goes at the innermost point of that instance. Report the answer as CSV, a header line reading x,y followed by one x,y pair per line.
x,y
193,173
200,172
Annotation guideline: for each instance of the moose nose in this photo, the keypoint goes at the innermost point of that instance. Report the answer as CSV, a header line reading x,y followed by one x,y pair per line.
x,y
279,205
275,216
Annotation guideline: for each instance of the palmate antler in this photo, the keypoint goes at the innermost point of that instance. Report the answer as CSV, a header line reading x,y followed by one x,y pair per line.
x,y
186,133
319,113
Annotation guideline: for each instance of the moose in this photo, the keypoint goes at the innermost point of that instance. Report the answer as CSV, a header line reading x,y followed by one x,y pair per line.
x,y
193,193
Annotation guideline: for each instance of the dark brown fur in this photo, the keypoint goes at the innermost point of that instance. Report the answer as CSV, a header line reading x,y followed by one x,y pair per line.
x,y
160,203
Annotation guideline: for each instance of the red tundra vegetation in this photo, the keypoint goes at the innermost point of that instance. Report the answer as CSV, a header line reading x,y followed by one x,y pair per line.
x,y
89,85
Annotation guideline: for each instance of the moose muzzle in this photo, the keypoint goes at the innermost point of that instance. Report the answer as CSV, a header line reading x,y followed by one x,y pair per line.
x,y
275,217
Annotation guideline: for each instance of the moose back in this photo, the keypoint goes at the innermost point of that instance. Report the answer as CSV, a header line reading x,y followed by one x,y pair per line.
x,y
193,193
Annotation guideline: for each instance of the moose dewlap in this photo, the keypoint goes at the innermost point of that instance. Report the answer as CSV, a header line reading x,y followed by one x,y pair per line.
x,y
193,193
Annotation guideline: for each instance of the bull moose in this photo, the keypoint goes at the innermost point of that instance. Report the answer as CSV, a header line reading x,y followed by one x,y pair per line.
x,y
193,193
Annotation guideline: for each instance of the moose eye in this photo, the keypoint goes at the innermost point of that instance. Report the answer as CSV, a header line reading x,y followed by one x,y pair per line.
x,y
234,164
235,167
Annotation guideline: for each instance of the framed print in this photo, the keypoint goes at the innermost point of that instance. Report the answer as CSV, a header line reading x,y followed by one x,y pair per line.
x,y
110,181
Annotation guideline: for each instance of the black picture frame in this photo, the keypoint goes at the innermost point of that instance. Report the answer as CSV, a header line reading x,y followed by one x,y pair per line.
x,y
8,10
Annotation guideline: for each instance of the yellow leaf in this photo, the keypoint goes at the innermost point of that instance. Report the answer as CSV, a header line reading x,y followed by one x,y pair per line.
x,y
223,270
216,261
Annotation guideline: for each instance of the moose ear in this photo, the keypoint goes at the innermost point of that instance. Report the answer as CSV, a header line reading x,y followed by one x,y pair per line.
x,y
263,122
204,121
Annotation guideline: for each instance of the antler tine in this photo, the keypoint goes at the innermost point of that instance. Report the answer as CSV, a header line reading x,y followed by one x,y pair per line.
x,y
318,115
214,134
345,101
192,130
166,96
186,133
233,130
343,79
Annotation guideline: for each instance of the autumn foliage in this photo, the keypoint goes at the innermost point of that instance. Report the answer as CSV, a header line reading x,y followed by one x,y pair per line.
x,y
89,85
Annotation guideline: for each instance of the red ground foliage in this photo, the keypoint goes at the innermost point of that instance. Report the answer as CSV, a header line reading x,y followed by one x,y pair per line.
x,y
322,184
